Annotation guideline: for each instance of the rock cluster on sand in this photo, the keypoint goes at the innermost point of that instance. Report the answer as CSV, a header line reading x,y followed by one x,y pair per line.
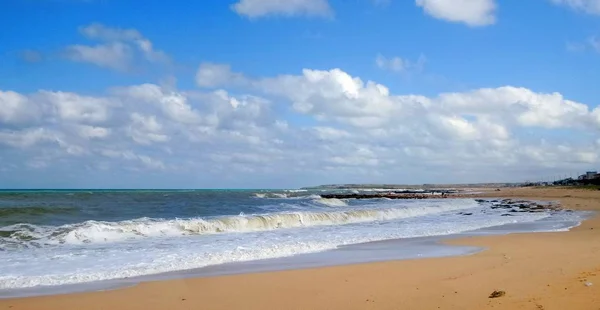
x,y
514,206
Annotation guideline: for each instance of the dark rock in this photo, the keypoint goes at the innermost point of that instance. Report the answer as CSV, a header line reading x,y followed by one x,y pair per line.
x,y
374,196
496,294
506,214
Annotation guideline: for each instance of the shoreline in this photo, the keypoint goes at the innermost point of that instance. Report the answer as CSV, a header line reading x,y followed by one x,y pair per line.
x,y
492,245
405,248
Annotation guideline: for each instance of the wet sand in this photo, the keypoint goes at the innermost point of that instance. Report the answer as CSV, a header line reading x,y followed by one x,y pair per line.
x,y
536,270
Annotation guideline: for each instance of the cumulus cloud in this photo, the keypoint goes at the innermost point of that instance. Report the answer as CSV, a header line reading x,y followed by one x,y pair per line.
x,y
118,50
323,125
471,12
262,8
587,6
16,108
70,107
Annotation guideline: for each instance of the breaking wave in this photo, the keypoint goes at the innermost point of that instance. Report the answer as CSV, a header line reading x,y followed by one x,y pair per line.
x,y
102,232
331,202
271,195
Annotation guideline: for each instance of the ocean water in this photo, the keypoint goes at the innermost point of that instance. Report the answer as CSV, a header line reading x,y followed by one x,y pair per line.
x,y
58,238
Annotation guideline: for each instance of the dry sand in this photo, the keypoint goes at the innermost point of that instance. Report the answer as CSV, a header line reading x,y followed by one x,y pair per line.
x,y
537,271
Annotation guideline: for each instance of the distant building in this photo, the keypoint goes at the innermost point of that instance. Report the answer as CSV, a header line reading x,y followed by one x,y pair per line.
x,y
590,175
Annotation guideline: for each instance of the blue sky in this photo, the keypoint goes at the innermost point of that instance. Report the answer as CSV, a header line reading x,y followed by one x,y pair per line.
x,y
266,93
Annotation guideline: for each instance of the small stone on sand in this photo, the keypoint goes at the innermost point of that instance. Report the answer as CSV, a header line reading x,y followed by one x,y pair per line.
x,y
496,294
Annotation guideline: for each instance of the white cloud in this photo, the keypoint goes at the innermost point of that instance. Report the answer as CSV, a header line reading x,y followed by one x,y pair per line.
x,y
587,6
261,8
330,133
319,124
146,129
174,105
398,64
100,32
128,155
27,137
118,50
93,132
114,55
214,75
72,107
519,106
16,108
471,12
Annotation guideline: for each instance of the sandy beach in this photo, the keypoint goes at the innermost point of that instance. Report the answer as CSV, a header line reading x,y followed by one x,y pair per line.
x,y
537,271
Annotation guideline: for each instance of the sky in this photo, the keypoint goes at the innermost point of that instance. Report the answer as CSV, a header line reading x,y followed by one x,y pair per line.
x,y
284,94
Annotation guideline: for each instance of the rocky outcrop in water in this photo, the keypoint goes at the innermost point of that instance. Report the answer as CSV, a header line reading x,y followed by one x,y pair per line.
x,y
376,196
391,195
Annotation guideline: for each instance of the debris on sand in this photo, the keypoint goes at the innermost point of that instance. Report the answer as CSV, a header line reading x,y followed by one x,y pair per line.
x,y
588,284
496,294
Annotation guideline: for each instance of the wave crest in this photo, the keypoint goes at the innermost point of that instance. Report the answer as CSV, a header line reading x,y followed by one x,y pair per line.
x,y
331,202
101,232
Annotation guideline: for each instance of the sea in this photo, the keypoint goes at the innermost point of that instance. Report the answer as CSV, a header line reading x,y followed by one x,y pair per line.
x,y
68,240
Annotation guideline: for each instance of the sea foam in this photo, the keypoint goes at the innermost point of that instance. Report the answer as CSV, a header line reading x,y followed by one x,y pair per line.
x,y
103,232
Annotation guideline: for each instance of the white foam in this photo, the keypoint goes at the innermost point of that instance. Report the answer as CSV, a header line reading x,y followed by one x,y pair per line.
x,y
59,266
271,195
95,250
103,232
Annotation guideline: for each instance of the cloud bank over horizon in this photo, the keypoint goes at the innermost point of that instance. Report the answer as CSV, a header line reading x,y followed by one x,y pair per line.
x,y
357,128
